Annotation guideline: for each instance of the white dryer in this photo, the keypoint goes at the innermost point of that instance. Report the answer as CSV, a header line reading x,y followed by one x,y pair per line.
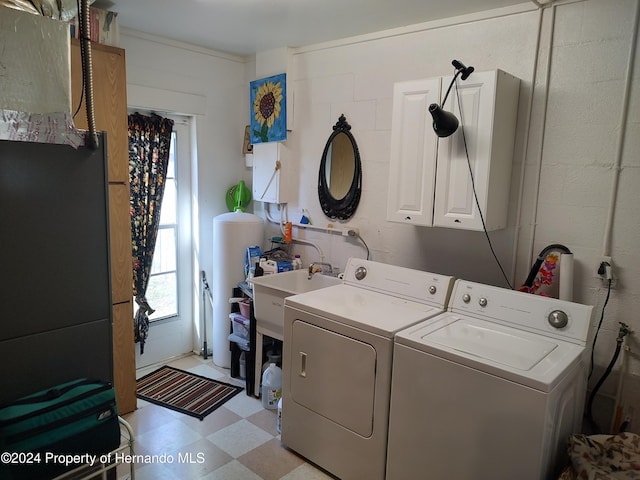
x,y
491,389
338,349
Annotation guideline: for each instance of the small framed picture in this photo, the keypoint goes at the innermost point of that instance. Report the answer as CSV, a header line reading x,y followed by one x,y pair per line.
x,y
247,147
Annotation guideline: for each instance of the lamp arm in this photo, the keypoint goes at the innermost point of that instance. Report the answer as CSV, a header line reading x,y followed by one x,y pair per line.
x,y
453,80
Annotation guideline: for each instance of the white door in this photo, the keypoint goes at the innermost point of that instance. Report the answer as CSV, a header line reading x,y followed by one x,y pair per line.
x,y
414,148
455,204
170,290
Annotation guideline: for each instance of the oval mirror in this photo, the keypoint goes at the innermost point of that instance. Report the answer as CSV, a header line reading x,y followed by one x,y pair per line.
x,y
340,176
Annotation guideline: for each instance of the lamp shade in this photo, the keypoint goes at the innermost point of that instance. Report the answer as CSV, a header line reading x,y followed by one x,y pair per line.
x,y
444,123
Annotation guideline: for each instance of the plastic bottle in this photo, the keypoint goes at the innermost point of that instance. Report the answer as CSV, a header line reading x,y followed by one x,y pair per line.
x,y
279,418
268,267
288,232
259,271
243,366
272,357
297,262
271,387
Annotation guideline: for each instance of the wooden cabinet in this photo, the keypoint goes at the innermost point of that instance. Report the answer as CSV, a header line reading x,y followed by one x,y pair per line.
x,y
120,243
430,181
110,101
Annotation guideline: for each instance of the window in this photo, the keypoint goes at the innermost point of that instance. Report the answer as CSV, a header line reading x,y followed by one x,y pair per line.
x,y
162,292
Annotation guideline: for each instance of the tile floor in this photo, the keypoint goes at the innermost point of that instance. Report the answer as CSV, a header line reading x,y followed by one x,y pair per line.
x,y
238,441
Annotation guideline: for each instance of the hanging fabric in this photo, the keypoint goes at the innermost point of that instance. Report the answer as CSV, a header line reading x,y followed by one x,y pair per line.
x,y
149,142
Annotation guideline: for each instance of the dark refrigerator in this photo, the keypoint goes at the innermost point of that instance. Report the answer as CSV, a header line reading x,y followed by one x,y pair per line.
x,y
55,295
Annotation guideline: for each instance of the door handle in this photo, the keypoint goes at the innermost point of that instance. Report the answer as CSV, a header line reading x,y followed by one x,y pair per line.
x,y
303,365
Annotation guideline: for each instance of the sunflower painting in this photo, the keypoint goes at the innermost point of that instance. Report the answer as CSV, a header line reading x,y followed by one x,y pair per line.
x,y
268,109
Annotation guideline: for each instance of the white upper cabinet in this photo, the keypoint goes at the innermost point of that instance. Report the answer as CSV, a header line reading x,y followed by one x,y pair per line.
x,y
430,181
272,165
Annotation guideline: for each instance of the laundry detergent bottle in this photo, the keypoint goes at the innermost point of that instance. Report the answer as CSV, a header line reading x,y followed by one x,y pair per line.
x,y
271,386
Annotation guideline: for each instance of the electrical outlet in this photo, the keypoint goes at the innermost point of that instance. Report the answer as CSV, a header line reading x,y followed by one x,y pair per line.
x,y
599,267
628,418
604,270
350,232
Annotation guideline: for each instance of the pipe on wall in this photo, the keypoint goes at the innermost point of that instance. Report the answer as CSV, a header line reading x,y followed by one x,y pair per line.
x,y
267,213
617,166
525,147
534,213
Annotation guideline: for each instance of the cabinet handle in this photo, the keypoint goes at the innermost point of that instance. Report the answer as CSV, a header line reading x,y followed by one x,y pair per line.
x,y
303,364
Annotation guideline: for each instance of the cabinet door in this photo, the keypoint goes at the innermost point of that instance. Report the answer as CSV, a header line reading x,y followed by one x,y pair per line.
x,y
413,152
120,243
455,205
124,357
270,183
110,102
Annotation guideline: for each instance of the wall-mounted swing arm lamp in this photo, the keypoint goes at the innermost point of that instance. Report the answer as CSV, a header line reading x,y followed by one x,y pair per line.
x,y
445,123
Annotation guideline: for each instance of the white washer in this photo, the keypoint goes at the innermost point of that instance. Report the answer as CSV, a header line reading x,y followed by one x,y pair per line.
x,y
338,349
489,390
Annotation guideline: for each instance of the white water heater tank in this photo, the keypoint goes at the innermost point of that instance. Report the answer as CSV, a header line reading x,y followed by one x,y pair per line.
x,y
232,234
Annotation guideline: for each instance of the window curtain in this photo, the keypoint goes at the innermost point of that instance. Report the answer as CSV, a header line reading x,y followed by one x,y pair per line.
x,y
149,142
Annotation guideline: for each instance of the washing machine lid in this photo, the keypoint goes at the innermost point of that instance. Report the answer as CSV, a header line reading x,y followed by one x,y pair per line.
x,y
373,312
523,357
505,348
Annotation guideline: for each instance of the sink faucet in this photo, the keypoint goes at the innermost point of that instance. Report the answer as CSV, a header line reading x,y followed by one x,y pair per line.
x,y
320,267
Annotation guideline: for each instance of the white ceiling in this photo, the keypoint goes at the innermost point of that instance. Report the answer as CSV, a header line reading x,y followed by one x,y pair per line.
x,y
244,27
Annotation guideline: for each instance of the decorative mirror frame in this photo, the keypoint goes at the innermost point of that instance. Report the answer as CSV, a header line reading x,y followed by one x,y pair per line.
x,y
345,207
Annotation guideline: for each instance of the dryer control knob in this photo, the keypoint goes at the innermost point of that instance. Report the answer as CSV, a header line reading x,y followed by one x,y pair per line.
x,y
466,298
482,302
432,289
558,319
361,272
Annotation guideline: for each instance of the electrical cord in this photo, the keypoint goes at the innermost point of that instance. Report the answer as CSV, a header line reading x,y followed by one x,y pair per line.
x,y
365,245
595,337
475,195
355,233
82,60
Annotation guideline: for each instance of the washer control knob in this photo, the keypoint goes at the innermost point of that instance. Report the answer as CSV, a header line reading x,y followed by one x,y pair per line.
x,y
558,319
361,272
432,289
466,298
482,302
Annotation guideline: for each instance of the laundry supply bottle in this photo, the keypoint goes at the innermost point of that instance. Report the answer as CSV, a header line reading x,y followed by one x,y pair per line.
x,y
297,262
269,267
271,387
272,357
243,366
279,417
288,232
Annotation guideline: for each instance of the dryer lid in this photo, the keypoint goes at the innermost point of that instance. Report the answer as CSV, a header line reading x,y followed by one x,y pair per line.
x,y
502,347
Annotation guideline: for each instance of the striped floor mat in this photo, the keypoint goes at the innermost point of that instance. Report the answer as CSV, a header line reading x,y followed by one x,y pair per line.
x,y
184,392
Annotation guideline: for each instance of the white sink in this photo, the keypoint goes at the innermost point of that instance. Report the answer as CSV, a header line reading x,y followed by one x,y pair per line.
x,y
270,291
